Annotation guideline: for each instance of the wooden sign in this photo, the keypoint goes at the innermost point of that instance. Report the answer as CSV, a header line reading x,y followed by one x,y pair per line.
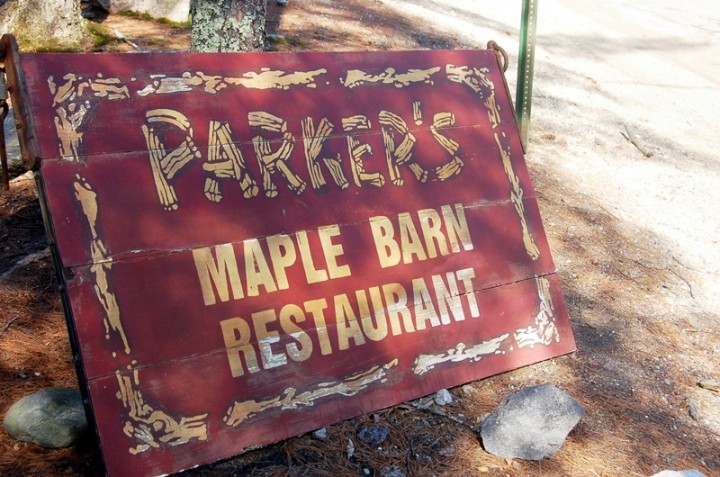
x,y
257,245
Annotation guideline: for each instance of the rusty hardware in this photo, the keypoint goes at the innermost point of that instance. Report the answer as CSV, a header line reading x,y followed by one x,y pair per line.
x,y
3,90
15,81
500,53
3,114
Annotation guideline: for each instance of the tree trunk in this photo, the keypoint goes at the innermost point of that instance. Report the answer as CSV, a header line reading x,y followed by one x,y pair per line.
x,y
43,24
228,25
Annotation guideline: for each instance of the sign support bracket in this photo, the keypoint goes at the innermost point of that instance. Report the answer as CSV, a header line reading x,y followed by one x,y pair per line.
x,y
526,66
17,90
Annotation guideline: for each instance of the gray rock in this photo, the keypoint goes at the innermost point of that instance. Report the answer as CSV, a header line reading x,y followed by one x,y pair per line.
x,y
693,409
276,38
102,4
175,10
531,424
373,435
679,473
12,142
320,434
443,397
52,418
392,472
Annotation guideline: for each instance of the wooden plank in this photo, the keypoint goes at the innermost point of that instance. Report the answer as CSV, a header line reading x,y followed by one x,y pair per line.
x,y
257,245
173,284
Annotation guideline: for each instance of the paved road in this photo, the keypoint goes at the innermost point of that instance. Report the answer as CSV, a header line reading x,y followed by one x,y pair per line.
x,y
612,69
649,70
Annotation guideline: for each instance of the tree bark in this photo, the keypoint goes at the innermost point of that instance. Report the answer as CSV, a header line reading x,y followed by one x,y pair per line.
x,y
43,24
228,25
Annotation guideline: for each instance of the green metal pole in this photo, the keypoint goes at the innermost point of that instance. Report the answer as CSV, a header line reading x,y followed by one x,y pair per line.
x,y
526,65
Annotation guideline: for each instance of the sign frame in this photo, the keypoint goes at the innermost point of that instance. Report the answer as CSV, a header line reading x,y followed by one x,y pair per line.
x,y
435,261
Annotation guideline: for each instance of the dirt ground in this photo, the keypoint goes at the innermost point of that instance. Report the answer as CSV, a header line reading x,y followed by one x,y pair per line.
x,y
624,160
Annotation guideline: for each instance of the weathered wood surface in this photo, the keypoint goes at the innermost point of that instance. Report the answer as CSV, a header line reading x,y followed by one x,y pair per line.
x,y
258,245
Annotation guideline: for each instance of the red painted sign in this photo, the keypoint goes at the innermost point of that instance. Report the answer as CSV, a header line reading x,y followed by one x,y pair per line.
x,y
258,245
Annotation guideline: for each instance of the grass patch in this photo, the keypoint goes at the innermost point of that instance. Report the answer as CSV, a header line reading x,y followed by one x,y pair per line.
x,y
277,42
44,46
161,20
100,35
134,14
29,41
156,42
95,36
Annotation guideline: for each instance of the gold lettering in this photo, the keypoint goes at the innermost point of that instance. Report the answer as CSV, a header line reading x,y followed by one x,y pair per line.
x,y
257,270
236,334
448,296
332,251
282,255
396,301
313,141
430,224
424,307
375,329
347,325
271,162
166,165
357,150
401,154
417,112
225,161
315,308
266,338
388,250
212,272
290,316
466,275
457,226
409,239
454,166
312,274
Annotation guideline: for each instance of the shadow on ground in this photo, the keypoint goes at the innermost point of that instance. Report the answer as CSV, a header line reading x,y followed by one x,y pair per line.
x,y
635,368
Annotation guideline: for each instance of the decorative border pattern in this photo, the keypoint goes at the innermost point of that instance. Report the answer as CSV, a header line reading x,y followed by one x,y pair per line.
x,y
101,262
427,362
199,81
477,80
243,411
146,423
151,427
73,100
543,332
389,76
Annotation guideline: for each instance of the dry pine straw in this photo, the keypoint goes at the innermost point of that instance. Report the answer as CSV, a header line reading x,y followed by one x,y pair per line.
x,y
35,354
421,443
621,434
